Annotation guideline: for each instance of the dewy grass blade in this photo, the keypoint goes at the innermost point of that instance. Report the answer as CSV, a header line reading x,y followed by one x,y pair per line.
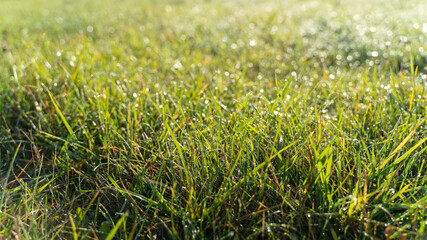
x,y
58,111
404,156
400,146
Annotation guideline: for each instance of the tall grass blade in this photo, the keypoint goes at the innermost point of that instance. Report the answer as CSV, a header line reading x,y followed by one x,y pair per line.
x,y
58,111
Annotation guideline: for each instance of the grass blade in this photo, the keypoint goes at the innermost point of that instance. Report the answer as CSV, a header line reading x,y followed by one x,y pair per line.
x,y
58,111
113,231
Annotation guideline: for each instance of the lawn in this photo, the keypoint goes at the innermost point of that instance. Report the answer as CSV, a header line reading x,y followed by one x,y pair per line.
x,y
208,119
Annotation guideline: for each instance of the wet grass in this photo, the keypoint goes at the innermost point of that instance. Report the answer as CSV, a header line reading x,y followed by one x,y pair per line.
x,y
204,119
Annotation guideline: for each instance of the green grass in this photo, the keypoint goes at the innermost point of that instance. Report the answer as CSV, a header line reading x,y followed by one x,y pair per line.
x,y
205,119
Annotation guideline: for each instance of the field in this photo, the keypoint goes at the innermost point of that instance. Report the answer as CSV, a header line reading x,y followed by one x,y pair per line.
x,y
179,119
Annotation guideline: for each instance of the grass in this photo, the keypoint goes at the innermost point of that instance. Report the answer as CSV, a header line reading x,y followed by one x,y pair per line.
x,y
205,119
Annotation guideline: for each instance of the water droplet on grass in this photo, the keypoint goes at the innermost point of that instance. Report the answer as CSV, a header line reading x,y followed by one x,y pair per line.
x,y
274,28
177,65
